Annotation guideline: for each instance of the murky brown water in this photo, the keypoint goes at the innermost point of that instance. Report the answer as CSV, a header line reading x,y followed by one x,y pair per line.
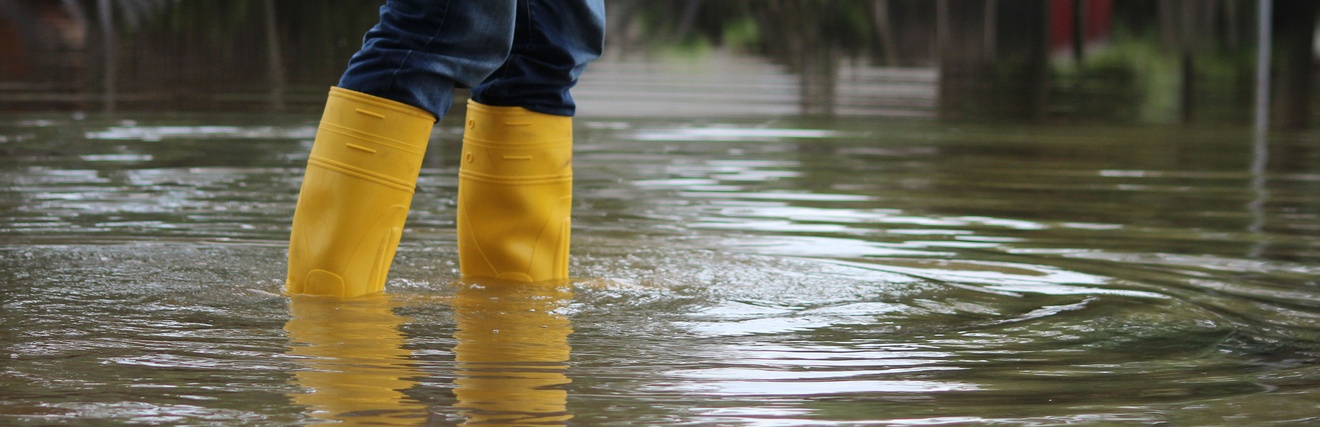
x,y
765,272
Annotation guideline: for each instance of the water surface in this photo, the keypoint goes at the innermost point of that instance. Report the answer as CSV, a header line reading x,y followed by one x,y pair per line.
x,y
764,272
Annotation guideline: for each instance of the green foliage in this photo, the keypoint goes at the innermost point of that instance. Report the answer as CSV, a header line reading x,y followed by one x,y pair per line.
x,y
1156,78
742,34
1137,68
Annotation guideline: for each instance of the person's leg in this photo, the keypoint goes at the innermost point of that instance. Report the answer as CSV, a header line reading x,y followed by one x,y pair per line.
x,y
554,41
368,150
516,178
422,49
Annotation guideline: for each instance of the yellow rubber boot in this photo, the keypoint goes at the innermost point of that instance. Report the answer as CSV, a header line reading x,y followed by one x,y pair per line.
x,y
355,194
515,191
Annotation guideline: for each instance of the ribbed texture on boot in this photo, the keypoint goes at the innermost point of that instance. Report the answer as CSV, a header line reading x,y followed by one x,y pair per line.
x,y
355,194
515,193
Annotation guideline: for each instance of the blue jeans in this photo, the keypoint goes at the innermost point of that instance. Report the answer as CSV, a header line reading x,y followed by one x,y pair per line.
x,y
511,53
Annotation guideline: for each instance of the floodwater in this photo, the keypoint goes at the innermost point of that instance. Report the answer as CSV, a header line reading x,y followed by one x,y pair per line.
x,y
756,271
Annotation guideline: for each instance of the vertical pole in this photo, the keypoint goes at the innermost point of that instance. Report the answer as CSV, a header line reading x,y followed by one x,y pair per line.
x,y
885,29
1079,30
948,92
1263,46
941,30
108,38
1260,147
991,28
1260,157
275,58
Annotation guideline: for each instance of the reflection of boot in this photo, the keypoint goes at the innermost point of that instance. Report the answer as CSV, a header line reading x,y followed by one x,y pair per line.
x,y
355,195
355,365
512,352
515,190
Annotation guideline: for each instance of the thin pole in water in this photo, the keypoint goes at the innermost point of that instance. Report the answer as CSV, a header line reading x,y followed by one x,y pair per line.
x,y
1260,148
1263,47
275,57
1079,31
108,34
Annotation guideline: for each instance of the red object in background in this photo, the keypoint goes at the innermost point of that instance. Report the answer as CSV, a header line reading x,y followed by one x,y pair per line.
x,y
1097,18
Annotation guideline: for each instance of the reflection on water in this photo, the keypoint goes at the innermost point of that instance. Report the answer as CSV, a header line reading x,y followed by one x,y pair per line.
x,y
727,272
355,366
512,353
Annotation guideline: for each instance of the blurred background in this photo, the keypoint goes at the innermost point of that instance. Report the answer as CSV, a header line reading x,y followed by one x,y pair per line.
x,y
786,212
1111,61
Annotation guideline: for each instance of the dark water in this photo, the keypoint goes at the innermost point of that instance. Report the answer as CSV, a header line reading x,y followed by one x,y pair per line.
x,y
766,272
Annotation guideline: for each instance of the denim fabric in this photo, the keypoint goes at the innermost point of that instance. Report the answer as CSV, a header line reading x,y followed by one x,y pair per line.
x,y
555,40
523,53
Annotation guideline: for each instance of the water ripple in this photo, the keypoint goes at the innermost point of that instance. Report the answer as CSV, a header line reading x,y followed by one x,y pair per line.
x,y
776,272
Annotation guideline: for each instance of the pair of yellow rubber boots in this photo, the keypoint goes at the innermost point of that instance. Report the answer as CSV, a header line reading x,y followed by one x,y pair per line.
x,y
514,194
